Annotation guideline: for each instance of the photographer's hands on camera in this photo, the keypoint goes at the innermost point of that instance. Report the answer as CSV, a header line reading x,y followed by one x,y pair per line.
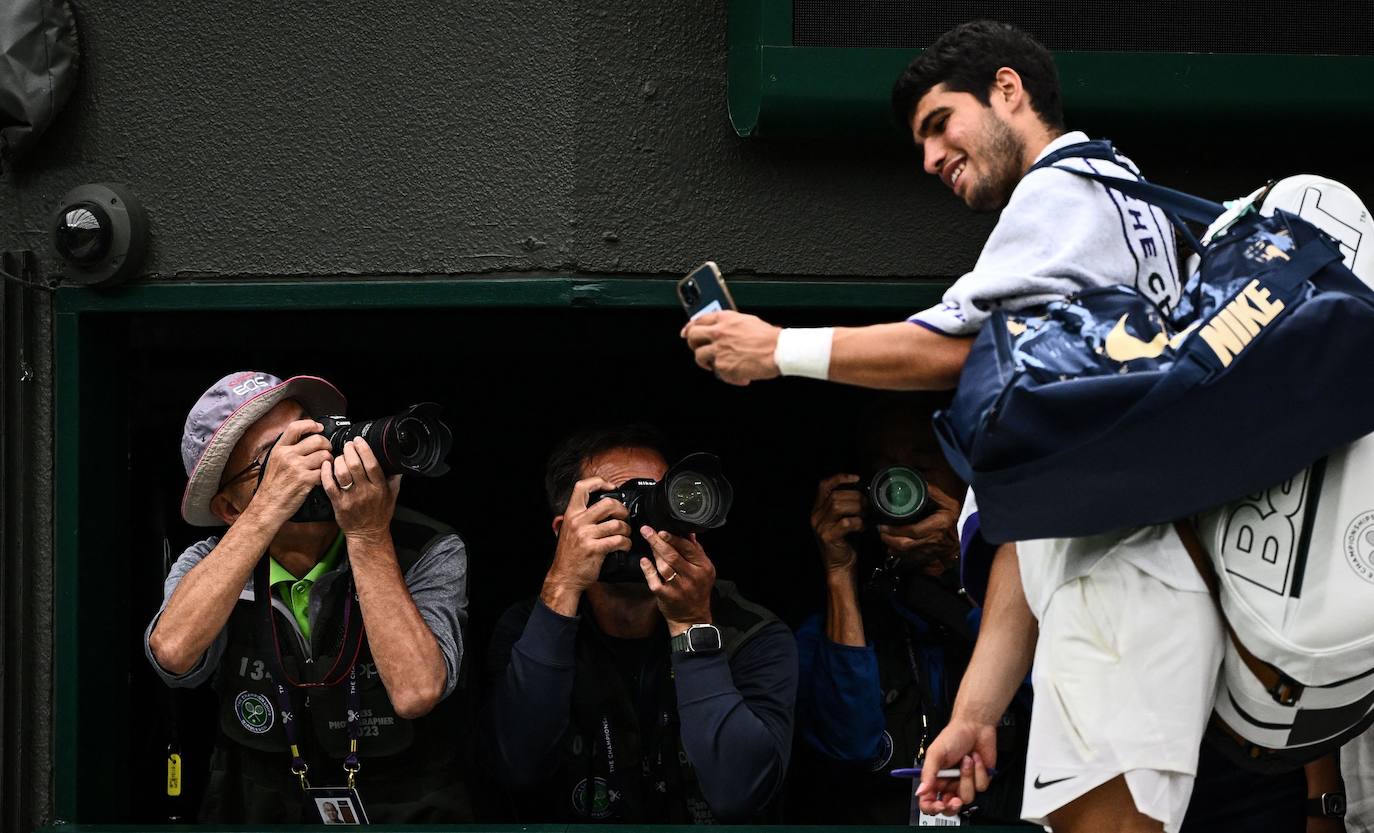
x,y
291,471
837,514
681,577
364,497
587,535
932,543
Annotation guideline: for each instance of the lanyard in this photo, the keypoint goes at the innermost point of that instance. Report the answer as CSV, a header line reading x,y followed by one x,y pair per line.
x,y
282,684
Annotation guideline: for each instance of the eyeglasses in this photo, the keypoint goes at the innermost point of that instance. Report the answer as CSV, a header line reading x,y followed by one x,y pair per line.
x,y
249,469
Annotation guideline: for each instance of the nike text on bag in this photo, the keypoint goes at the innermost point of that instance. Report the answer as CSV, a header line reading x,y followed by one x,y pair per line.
x,y
1103,412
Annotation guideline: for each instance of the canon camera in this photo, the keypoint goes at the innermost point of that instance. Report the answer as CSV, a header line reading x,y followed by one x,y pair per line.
x,y
413,441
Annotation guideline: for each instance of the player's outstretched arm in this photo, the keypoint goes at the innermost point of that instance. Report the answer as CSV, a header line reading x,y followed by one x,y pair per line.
x,y
742,348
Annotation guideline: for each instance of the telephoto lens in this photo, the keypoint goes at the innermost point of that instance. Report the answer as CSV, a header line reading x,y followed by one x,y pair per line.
x,y
898,495
693,496
414,441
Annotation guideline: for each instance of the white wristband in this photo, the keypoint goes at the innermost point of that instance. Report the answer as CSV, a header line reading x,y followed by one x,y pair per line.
x,y
804,352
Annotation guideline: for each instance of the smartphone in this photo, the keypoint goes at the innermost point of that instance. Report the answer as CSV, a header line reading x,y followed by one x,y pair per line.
x,y
703,291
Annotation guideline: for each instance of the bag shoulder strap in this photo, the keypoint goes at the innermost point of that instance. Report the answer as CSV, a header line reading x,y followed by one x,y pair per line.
x,y
1184,206
1284,689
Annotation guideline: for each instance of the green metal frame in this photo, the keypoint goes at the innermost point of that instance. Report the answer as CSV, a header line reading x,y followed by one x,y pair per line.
x,y
777,90
92,330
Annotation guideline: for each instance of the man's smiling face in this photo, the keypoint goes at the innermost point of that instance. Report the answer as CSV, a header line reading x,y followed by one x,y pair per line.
x,y
968,145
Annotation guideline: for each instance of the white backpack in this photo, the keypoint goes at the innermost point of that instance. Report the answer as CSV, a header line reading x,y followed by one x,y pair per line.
x,y
1293,567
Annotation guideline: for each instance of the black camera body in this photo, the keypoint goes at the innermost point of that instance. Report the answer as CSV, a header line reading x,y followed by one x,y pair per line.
x,y
896,495
415,441
693,496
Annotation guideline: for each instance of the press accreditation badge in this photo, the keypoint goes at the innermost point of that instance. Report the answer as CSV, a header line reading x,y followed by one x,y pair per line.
x,y
937,821
333,805
919,819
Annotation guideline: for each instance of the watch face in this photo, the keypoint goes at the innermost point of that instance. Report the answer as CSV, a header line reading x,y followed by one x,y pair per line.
x,y
1335,804
703,638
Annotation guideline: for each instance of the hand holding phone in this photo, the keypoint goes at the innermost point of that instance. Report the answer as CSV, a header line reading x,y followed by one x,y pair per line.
x,y
703,290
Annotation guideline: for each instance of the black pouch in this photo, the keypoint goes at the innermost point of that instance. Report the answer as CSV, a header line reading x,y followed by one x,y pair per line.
x,y
39,56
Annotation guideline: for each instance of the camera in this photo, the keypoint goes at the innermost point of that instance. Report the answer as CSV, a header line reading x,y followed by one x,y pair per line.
x,y
693,496
413,441
894,495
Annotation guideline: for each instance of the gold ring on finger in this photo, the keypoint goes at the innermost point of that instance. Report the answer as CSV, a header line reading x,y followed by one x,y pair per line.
x,y
343,487
670,578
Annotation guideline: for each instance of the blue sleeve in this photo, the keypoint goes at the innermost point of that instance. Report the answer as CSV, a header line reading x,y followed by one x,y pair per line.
x,y
736,718
530,671
840,705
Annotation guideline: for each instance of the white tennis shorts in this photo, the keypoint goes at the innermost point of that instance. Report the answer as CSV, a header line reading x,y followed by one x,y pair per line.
x,y
1125,677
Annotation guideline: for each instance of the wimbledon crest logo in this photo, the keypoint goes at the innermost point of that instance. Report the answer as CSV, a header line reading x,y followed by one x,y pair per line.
x,y
254,712
1359,545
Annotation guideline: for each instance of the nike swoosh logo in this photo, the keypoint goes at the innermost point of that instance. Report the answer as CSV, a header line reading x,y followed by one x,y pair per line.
x,y
1121,346
1040,785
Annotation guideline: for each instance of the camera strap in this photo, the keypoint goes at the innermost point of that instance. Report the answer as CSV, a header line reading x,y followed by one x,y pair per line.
x,y
282,685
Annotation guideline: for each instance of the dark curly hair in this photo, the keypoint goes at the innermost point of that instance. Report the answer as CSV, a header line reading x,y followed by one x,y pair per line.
x,y
966,59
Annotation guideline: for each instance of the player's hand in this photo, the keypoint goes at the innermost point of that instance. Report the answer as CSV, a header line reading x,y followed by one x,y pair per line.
x,y
681,577
737,347
972,748
932,543
835,514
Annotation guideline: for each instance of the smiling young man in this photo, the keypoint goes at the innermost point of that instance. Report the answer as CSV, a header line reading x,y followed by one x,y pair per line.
x,y
1129,645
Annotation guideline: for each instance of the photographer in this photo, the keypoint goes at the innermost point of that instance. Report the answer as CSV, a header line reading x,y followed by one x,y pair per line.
x,y
881,664
332,639
636,690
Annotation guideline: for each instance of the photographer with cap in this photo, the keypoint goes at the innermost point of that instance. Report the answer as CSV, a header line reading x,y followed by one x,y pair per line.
x,y
881,664
333,637
635,689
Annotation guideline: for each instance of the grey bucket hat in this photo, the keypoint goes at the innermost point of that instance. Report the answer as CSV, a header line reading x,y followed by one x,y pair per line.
x,y
223,413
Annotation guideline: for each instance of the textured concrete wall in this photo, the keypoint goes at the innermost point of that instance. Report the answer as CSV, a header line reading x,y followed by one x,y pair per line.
x,y
427,137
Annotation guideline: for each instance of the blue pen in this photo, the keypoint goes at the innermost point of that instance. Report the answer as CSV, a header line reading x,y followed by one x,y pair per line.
x,y
915,772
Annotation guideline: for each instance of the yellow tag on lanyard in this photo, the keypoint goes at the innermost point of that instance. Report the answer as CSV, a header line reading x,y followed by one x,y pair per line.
x,y
174,774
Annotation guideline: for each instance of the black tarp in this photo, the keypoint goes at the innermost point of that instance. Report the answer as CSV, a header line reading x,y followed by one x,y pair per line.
x,y
38,63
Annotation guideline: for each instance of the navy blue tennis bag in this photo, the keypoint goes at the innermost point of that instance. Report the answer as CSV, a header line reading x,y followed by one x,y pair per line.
x,y
1103,411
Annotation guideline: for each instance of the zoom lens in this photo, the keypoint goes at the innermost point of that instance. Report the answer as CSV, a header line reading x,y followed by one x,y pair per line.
x,y
692,498
899,492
